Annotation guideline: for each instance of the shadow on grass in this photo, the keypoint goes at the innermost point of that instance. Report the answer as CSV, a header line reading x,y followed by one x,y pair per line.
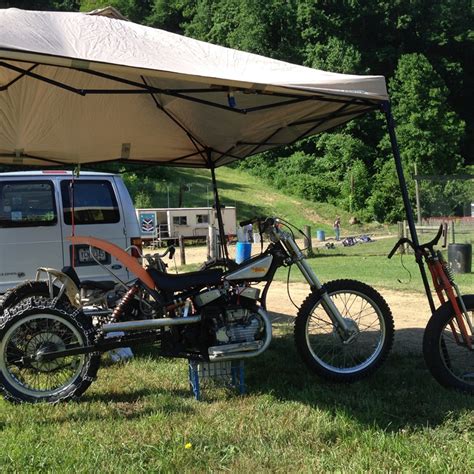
x,y
401,394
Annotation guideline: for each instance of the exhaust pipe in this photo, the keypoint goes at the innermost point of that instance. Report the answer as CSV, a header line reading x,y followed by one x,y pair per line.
x,y
243,350
149,324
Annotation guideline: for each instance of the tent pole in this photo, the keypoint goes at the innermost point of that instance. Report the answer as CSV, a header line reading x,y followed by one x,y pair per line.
x,y
386,108
217,205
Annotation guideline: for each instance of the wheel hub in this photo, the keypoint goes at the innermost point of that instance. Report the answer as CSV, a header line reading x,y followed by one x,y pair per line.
x,y
352,331
43,343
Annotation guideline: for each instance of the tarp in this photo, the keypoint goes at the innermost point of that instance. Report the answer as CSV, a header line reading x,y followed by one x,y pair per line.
x,y
76,88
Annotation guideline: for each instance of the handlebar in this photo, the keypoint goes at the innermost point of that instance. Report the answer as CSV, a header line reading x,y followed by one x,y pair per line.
x,y
263,222
428,246
171,250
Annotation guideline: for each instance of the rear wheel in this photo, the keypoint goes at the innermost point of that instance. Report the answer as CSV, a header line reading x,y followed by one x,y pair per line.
x,y
321,346
33,328
446,354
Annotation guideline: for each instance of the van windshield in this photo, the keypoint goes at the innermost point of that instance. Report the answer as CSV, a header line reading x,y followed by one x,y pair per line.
x,y
27,204
94,202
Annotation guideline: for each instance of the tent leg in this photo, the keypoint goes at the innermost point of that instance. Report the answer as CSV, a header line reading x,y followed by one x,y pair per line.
x,y
386,108
217,204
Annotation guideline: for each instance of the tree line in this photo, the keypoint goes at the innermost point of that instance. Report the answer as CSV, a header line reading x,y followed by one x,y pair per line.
x,y
423,47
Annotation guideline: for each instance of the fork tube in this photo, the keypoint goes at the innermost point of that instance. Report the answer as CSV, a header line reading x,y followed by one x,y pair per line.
x,y
386,108
314,282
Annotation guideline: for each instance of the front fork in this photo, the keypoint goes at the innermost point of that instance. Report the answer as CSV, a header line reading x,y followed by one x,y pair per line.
x,y
347,333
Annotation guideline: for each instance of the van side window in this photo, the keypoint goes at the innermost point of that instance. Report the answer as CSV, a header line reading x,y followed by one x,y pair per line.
x,y
94,202
27,204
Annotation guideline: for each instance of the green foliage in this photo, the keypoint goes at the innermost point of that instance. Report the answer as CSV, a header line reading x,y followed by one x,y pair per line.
x,y
134,10
429,131
385,202
424,49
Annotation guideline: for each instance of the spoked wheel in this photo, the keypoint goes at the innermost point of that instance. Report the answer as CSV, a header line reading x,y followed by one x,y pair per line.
x,y
448,357
325,351
34,328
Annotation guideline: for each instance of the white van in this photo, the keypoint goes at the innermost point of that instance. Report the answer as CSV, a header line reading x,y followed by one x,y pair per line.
x,y
35,220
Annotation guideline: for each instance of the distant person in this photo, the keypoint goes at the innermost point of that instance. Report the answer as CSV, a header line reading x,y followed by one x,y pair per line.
x,y
337,227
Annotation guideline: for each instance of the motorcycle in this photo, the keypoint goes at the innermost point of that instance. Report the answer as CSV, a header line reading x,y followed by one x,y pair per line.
x,y
50,353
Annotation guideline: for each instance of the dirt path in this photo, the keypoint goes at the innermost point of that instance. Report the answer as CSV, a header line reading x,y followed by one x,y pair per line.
x,y
410,312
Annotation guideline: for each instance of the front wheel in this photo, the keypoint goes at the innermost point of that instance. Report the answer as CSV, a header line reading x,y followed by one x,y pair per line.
x,y
448,357
35,327
320,344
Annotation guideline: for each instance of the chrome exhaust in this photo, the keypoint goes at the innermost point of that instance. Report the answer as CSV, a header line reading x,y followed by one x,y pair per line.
x,y
149,324
243,350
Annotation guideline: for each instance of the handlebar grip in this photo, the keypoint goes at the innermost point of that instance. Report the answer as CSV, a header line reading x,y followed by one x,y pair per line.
x,y
253,220
392,252
246,222
402,241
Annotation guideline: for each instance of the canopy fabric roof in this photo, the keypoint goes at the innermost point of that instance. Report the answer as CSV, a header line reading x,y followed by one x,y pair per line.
x,y
76,88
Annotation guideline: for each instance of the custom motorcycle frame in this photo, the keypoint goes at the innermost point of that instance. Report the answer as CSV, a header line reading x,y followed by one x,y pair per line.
x,y
203,316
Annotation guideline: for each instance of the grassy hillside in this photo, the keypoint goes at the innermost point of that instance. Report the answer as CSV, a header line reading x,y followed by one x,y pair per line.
x,y
251,197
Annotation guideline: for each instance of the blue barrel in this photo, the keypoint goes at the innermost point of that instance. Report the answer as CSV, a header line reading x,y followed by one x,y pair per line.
x,y
320,235
242,251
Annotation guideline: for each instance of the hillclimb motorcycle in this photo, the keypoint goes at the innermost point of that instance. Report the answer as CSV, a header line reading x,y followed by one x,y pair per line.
x,y
50,351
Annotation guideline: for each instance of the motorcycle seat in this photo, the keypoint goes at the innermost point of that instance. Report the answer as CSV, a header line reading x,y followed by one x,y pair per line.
x,y
169,282
98,285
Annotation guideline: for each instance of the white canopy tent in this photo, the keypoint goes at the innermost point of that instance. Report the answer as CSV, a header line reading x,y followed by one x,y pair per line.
x,y
76,88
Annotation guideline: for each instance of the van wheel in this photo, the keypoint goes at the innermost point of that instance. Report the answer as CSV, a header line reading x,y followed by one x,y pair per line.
x,y
30,289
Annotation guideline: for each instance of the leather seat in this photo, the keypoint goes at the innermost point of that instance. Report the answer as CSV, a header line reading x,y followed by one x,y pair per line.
x,y
169,282
98,285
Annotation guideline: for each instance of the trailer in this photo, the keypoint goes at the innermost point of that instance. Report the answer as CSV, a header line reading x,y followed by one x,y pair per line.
x,y
162,224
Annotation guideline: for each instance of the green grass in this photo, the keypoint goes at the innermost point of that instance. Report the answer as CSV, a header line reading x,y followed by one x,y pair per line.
x,y
139,417
369,263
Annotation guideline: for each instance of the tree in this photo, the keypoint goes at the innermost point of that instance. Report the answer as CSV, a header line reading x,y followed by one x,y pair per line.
x,y
429,132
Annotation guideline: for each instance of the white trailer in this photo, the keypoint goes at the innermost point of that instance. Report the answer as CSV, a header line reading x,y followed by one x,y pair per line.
x,y
170,223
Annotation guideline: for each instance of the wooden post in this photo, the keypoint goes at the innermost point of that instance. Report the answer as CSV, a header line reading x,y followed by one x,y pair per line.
x,y
445,234
404,247
453,236
208,242
181,250
308,245
417,196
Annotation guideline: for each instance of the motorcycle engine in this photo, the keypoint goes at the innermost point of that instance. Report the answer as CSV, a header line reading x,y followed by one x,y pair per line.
x,y
237,324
